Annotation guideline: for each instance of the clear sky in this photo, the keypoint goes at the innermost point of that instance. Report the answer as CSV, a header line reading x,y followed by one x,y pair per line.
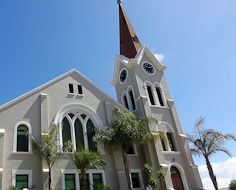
x,y
42,39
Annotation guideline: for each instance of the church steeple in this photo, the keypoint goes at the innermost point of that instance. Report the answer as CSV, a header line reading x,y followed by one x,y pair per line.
x,y
129,42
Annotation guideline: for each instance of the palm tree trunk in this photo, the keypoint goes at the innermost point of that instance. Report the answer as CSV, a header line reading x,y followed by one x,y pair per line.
x,y
49,178
83,180
127,170
211,173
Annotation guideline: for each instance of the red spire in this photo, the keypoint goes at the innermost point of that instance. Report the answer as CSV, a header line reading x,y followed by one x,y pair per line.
x,y
129,42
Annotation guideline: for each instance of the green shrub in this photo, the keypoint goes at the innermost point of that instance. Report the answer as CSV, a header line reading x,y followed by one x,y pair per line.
x,y
102,187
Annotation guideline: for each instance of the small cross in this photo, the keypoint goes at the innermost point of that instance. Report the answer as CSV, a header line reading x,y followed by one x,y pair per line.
x,y
119,1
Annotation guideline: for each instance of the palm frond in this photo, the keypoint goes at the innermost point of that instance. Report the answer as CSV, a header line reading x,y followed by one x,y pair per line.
x,y
220,149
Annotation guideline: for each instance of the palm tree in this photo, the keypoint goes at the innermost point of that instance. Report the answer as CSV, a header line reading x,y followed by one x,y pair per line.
x,y
85,160
232,185
125,130
206,143
46,149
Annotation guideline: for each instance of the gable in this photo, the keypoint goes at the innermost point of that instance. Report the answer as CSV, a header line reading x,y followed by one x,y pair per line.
x,y
72,75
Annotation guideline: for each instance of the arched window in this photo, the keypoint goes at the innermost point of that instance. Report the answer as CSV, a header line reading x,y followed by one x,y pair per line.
x,y
125,101
78,129
90,133
159,95
150,94
79,134
22,144
167,137
131,96
66,132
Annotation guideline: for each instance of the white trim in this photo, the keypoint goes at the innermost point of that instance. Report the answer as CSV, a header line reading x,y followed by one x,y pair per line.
x,y
158,85
148,62
77,110
22,172
77,172
182,173
145,85
140,178
169,129
1,170
45,170
27,124
2,131
123,69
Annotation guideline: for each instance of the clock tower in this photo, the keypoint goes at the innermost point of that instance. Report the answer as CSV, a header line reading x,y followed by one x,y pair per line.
x,y
141,88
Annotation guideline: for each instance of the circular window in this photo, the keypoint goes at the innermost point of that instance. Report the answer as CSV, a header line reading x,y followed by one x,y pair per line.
x,y
148,68
123,75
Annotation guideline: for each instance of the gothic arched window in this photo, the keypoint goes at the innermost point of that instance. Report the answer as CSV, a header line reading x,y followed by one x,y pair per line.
x,y
78,129
22,139
79,134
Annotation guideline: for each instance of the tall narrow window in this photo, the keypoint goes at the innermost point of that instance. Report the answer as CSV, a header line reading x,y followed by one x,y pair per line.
x,y
131,95
90,134
70,182
158,90
150,95
71,88
22,181
135,180
125,101
66,132
171,142
22,139
79,135
80,89
163,145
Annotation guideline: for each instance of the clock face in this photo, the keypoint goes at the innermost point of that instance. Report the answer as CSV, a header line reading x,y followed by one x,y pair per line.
x,y
123,75
148,68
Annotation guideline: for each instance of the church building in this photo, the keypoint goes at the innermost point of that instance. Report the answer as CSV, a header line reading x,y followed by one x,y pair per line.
x,y
78,106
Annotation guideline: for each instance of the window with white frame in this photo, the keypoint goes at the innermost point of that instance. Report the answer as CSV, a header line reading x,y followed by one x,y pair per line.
x,y
21,141
160,96
22,179
136,179
78,129
150,94
71,179
167,137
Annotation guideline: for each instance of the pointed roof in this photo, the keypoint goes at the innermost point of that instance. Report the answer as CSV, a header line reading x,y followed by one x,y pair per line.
x,y
129,42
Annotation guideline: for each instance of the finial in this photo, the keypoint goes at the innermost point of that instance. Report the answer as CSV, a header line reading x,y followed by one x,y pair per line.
x,y
119,1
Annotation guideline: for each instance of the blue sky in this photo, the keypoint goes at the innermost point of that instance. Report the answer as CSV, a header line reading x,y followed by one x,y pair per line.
x,y
43,39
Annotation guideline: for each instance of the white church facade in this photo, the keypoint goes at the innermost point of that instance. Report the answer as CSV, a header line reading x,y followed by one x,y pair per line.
x,y
78,106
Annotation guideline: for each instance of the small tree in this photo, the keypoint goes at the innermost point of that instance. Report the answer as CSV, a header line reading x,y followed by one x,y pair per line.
x,y
85,160
125,130
206,143
232,185
46,149
155,180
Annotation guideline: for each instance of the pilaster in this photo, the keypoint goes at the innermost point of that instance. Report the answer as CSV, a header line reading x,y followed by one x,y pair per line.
x,y
44,112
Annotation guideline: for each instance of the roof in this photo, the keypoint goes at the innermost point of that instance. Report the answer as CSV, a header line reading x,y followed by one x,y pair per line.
x,y
129,42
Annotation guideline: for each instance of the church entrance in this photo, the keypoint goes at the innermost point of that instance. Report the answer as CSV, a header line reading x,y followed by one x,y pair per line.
x,y
176,179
